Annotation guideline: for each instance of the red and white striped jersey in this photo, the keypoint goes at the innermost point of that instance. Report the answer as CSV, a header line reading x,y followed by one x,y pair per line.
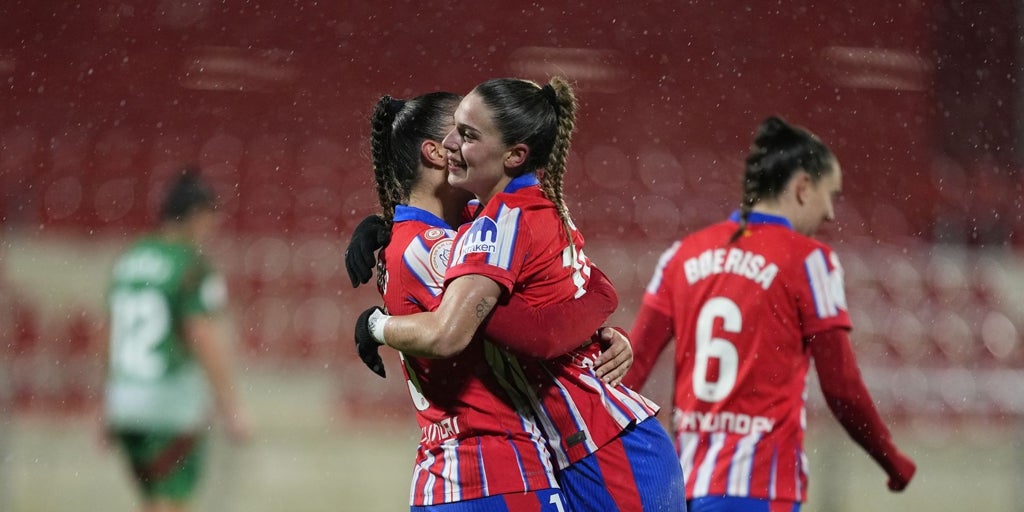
x,y
741,313
473,443
518,240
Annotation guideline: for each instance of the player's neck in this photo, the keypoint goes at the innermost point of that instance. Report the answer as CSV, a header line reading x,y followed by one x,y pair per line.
x,y
437,206
774,209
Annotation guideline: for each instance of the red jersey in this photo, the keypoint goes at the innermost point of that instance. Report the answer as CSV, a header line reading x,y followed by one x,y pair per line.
x,y
519,241
741,313
473,443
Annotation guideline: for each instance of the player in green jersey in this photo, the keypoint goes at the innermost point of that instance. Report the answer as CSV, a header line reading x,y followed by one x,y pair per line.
x,y
166,368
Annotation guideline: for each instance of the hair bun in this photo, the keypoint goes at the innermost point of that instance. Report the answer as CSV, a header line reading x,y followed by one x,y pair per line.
x,y
395,105
550,95
776,132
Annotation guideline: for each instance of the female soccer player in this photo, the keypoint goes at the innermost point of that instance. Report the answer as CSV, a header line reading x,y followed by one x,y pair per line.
x,y
477,450
509,149
750,301
164,355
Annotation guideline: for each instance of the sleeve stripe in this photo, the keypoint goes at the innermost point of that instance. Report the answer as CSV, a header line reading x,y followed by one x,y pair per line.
x,y
417,259
819,279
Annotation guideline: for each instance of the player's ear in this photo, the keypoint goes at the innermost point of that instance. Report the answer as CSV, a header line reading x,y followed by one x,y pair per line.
x,y
434,153
516,155
802,185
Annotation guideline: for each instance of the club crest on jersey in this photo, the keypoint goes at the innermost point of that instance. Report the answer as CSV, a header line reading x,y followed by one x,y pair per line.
x,y
440,254
481,237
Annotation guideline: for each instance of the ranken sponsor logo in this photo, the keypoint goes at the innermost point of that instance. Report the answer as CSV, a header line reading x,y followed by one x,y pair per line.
x,y
481,237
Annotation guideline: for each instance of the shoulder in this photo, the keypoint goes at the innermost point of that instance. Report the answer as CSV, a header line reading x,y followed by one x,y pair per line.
x,y
421,244
807,247
712,236
404,233
783,243
527,198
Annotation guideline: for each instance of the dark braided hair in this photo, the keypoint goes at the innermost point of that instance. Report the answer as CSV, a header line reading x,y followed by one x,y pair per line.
x,y
543,118
397,130
186,195
778,152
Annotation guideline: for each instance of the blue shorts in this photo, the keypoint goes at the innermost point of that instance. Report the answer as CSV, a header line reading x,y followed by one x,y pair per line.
x,y
547,500
637,471
736,504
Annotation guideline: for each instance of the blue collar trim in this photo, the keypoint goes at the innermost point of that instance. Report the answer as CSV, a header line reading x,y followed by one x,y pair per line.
x,y
762,218
406,212
527,180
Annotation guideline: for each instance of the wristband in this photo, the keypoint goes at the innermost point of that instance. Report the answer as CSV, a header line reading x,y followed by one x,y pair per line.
x,y
376,323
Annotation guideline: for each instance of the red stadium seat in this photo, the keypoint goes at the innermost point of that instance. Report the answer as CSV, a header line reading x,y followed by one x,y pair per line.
x,y
317,210
1001,337
954,338
266,209
265,262
608,167
900,277
63,200
658,218
26,331
317,264
660,172
317,329
906,335
265,326
946,280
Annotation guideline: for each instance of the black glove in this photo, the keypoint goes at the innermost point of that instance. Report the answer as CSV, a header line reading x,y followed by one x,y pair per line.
x,y
366,345
371,234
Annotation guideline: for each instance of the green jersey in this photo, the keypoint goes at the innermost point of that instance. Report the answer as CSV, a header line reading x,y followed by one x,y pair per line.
x,y
154,382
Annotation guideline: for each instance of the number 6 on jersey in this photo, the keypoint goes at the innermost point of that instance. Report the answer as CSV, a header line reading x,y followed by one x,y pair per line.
x,y
710,347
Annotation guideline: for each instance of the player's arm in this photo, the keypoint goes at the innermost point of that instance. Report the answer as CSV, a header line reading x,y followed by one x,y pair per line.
x,y
441,333
201,331
651,331
849,401
549,331
545,332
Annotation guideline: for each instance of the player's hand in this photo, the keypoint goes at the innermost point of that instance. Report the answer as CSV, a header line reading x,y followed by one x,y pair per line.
x,y
616,355
371,234
366,345
900,469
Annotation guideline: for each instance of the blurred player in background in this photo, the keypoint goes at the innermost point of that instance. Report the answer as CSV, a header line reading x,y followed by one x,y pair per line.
x,y
509,149
750,301
477,451
165,354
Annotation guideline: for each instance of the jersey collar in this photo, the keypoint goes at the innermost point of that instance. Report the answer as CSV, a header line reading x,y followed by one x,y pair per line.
x,y
406,212
527,180
762,218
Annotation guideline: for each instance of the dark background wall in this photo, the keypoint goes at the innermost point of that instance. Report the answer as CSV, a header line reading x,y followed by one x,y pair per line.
x,y
100,101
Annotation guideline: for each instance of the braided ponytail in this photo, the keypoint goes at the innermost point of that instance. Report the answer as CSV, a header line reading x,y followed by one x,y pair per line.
x,y
543,118
551,179
778,152
397,129
749,199
381,124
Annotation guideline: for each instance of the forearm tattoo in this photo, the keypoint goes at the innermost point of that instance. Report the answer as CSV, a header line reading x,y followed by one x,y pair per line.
x,y
484,307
